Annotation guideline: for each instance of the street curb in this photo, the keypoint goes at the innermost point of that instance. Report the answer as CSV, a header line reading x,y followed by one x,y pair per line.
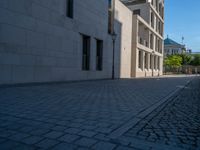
x,y
137,118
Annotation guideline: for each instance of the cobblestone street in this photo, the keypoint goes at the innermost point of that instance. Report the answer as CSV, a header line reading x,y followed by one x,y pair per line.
x,y
133,114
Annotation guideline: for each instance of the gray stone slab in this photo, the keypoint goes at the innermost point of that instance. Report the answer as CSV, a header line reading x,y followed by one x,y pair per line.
x,y
53,134
87,133
47,143
64,146
69,138
87,142
104,145
32,140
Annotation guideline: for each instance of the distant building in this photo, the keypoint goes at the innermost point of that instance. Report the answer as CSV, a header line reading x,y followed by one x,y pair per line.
x,y
172,48
189,51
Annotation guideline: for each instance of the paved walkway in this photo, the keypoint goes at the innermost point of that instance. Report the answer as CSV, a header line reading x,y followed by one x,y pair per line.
x,y
105,114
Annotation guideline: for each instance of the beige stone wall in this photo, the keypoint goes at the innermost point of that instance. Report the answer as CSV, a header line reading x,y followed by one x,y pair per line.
x,y
143,44
124,16
39,43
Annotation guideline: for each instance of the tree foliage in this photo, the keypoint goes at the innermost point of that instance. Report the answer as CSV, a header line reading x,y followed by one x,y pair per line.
x,y
173,61
196,60
186,59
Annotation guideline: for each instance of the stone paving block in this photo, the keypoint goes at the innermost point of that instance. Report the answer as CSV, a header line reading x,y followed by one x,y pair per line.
x,y
73,130
40,132
83,148
125,148
87,133
79,120
9,145
4,123
53,134
26,129
69,138
19,136
24,147
59,128
62,123
47,143
14,126
104,130
87,142
32,140
101,137
103,124
104,145
88,127
46,125
6,133
2,140
75,125
64,146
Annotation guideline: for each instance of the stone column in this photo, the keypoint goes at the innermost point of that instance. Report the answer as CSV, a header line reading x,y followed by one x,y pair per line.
x,y
142,60
148,61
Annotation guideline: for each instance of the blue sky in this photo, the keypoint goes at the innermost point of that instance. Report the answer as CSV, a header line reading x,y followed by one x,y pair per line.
x,y
182,18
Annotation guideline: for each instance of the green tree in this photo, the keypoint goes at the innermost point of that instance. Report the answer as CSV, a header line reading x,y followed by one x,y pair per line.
x,y
174,61
196,60
186,59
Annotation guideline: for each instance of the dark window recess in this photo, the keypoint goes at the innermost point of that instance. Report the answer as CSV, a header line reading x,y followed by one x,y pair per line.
x,y
140,59
136,12
110,16
69,8
151,61
110,4
109,21
99,55
146,61
86,53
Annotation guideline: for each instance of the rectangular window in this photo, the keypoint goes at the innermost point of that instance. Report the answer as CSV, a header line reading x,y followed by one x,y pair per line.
x,y
151,61
152,20
157,4
140,60
151,41
99,55
110,16
109,4
155,65
86,53
158,63
146,60
152,2
69,8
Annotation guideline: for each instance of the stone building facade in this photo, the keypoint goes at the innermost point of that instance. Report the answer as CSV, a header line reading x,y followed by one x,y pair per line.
x,y
172,48
54,40
66,40
147,37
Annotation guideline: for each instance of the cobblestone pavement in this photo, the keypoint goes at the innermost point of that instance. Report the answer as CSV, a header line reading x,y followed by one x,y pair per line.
x,y
175,125
84,115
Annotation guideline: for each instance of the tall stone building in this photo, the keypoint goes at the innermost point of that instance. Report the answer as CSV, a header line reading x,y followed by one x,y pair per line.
x,y
65,40
54,40
147,37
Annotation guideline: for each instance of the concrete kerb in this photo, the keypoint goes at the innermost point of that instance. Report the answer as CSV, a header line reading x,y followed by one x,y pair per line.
x,y
137,118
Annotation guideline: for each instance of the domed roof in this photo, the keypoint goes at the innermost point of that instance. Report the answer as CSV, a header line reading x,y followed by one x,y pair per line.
x,y
169,41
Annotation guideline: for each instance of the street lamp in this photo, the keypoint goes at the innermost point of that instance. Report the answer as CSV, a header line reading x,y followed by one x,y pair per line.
x,y
153,54
114,36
